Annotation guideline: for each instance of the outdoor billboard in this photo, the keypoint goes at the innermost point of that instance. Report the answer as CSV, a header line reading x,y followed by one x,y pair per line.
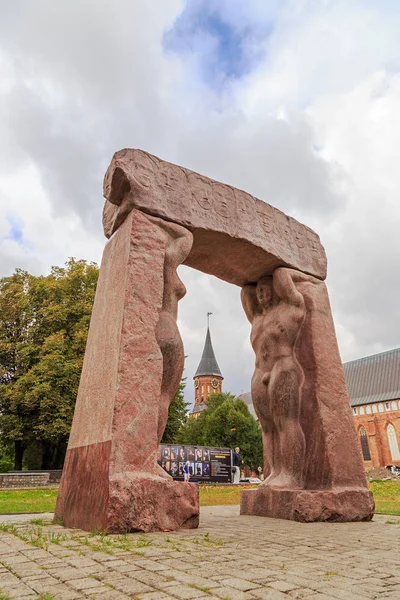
x,y
207,465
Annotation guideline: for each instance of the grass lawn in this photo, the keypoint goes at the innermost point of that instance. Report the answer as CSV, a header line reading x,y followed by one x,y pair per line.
x,y
386,494
212,495
27,501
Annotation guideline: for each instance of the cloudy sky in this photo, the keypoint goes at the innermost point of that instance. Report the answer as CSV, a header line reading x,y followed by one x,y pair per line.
x,y
295,101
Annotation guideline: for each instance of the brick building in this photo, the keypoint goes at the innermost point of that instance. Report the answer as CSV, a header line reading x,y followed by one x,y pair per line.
x,y
208,378
374,389
373,383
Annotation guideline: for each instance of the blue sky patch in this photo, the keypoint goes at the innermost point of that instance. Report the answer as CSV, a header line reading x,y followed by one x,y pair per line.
x,y
221,44
16,229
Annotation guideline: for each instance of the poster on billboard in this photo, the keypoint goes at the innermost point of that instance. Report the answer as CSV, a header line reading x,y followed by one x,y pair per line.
x,y
207,465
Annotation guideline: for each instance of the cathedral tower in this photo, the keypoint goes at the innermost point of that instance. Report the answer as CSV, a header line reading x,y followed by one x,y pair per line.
x,y
208,377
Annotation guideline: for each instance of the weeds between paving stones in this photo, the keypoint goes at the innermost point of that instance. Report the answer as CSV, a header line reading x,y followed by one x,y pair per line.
x,y
393,522
94,541
40,521
207,540
204,589
45,535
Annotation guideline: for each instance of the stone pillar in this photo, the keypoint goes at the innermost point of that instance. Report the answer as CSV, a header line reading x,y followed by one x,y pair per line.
x,y
132,367
300,395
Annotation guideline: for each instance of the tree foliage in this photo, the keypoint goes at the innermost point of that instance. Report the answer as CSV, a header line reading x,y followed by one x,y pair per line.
x,y
44,323
177,415
226,422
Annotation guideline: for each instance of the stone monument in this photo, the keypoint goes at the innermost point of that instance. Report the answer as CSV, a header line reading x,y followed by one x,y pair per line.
x,y
157,216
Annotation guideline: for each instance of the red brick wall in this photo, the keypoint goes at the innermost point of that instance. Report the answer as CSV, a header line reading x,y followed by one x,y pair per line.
x,y
205,389
375,425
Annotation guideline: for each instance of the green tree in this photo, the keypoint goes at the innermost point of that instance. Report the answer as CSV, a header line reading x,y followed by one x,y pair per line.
x,y
44,323
17,320
177,415
226,422
42,343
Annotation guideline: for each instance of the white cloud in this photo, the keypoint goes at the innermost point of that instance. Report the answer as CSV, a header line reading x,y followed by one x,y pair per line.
x,y
362,129
313,128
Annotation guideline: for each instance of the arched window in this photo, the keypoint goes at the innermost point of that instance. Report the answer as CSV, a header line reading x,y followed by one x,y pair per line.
x,y
394,405
362,410
381,408
368,409
393,443
374,408
364,444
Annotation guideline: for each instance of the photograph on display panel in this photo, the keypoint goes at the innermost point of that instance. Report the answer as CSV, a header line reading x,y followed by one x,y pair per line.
x,y
206,464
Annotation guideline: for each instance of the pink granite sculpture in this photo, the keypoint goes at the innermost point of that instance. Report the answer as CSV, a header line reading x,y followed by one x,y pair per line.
x,y
313,466
157,216
132,368
276,310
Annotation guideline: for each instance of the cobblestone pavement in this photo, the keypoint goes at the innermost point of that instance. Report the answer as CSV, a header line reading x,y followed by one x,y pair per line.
x,y
228,557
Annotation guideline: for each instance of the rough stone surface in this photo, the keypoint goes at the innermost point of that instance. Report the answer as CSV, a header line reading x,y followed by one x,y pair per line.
x,y
300,397
132,367
229,556
159,216
151,503
236,236
308,505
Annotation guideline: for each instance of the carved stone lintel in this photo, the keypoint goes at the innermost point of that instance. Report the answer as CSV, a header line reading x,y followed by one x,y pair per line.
x,y
236,236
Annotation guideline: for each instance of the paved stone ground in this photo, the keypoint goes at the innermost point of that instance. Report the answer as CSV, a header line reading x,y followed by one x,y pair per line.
x,y
228,557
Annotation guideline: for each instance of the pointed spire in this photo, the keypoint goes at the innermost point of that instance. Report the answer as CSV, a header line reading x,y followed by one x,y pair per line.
x,y
208,364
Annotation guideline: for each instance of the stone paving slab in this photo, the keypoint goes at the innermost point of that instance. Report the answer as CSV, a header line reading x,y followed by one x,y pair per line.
x,y
230,557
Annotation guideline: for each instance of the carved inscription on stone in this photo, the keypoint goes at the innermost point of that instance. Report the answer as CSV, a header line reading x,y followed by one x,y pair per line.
x,y
137,179
267,221
245,207
201,190
223,200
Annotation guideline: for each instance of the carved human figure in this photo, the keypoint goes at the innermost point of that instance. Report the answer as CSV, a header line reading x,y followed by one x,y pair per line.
x,y
179,243
276,310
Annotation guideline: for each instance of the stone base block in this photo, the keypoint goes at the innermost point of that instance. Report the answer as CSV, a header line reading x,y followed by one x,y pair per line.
x,y
307,506
131,502
151,503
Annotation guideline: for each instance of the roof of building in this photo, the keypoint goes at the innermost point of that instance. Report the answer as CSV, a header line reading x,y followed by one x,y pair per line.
x,y
373,378
369,379
197,408
208,364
